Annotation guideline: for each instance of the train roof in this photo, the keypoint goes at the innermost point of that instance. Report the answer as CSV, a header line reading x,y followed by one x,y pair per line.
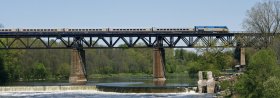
x,y
210,26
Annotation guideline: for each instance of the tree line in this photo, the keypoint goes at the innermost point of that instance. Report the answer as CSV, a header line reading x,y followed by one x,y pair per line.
x,y
54,64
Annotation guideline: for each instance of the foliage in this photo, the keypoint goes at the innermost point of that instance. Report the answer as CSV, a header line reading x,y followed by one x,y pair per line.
x,y
3,73
264,17
55,64
262,66
272,87
63,72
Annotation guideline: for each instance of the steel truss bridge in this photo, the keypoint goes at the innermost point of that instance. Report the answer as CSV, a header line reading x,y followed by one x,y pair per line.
x,y
78,41
88,40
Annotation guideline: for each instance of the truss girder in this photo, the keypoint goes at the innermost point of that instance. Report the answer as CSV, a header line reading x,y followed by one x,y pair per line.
x,y
68,41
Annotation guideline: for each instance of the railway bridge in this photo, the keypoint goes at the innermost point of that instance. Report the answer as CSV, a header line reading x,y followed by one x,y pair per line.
x,y
78,41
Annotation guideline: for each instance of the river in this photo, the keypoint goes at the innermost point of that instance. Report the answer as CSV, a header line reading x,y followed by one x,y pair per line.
x,y
98,94
178,80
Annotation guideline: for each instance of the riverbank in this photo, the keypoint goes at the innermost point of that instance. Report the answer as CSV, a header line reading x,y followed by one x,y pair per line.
x,y
44,88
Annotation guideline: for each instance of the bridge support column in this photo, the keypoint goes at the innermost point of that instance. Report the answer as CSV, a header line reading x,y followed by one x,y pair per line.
x,y
242,57
78,73
158,66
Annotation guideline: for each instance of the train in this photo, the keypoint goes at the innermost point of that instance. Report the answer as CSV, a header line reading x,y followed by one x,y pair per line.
x,y
213,29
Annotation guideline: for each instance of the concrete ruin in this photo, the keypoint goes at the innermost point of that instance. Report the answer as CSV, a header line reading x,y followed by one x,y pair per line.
x,y
206,82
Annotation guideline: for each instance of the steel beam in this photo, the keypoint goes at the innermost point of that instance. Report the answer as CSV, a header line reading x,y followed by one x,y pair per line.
x,y
106,40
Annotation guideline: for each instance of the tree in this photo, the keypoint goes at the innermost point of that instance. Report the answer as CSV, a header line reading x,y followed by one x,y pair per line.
x,y
40,71
264,17
262,66
272,87
3,73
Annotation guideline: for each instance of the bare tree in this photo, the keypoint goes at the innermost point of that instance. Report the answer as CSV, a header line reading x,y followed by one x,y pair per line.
x,y
1,25
264,17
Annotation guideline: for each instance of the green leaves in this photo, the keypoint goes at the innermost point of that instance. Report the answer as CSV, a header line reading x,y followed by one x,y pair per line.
x,y
261,78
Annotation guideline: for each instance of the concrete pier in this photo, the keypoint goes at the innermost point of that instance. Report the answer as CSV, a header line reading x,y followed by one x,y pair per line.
x,y
242,57
206,82
78,73
158,66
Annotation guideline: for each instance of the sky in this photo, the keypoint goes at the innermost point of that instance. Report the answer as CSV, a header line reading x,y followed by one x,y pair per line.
x,y
123,13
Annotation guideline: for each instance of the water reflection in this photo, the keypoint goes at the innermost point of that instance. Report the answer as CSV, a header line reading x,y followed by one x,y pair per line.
x,y
159,82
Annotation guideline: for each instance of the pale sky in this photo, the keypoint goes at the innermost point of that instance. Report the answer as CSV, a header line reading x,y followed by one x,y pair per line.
x,y
123,13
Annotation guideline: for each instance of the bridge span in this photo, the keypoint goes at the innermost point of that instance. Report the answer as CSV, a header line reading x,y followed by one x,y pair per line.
x,y
78,41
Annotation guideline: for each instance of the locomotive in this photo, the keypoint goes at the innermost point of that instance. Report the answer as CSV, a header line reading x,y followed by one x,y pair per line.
x,y
213,29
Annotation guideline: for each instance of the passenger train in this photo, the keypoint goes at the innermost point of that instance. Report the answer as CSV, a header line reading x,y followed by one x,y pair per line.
x,y
213,29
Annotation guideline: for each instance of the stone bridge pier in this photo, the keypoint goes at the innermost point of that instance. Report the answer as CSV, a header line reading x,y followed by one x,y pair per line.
x,y
159,66
78,72
242,57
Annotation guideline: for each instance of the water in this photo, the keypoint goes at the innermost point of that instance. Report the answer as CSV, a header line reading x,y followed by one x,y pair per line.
x,y
98,94
171,81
